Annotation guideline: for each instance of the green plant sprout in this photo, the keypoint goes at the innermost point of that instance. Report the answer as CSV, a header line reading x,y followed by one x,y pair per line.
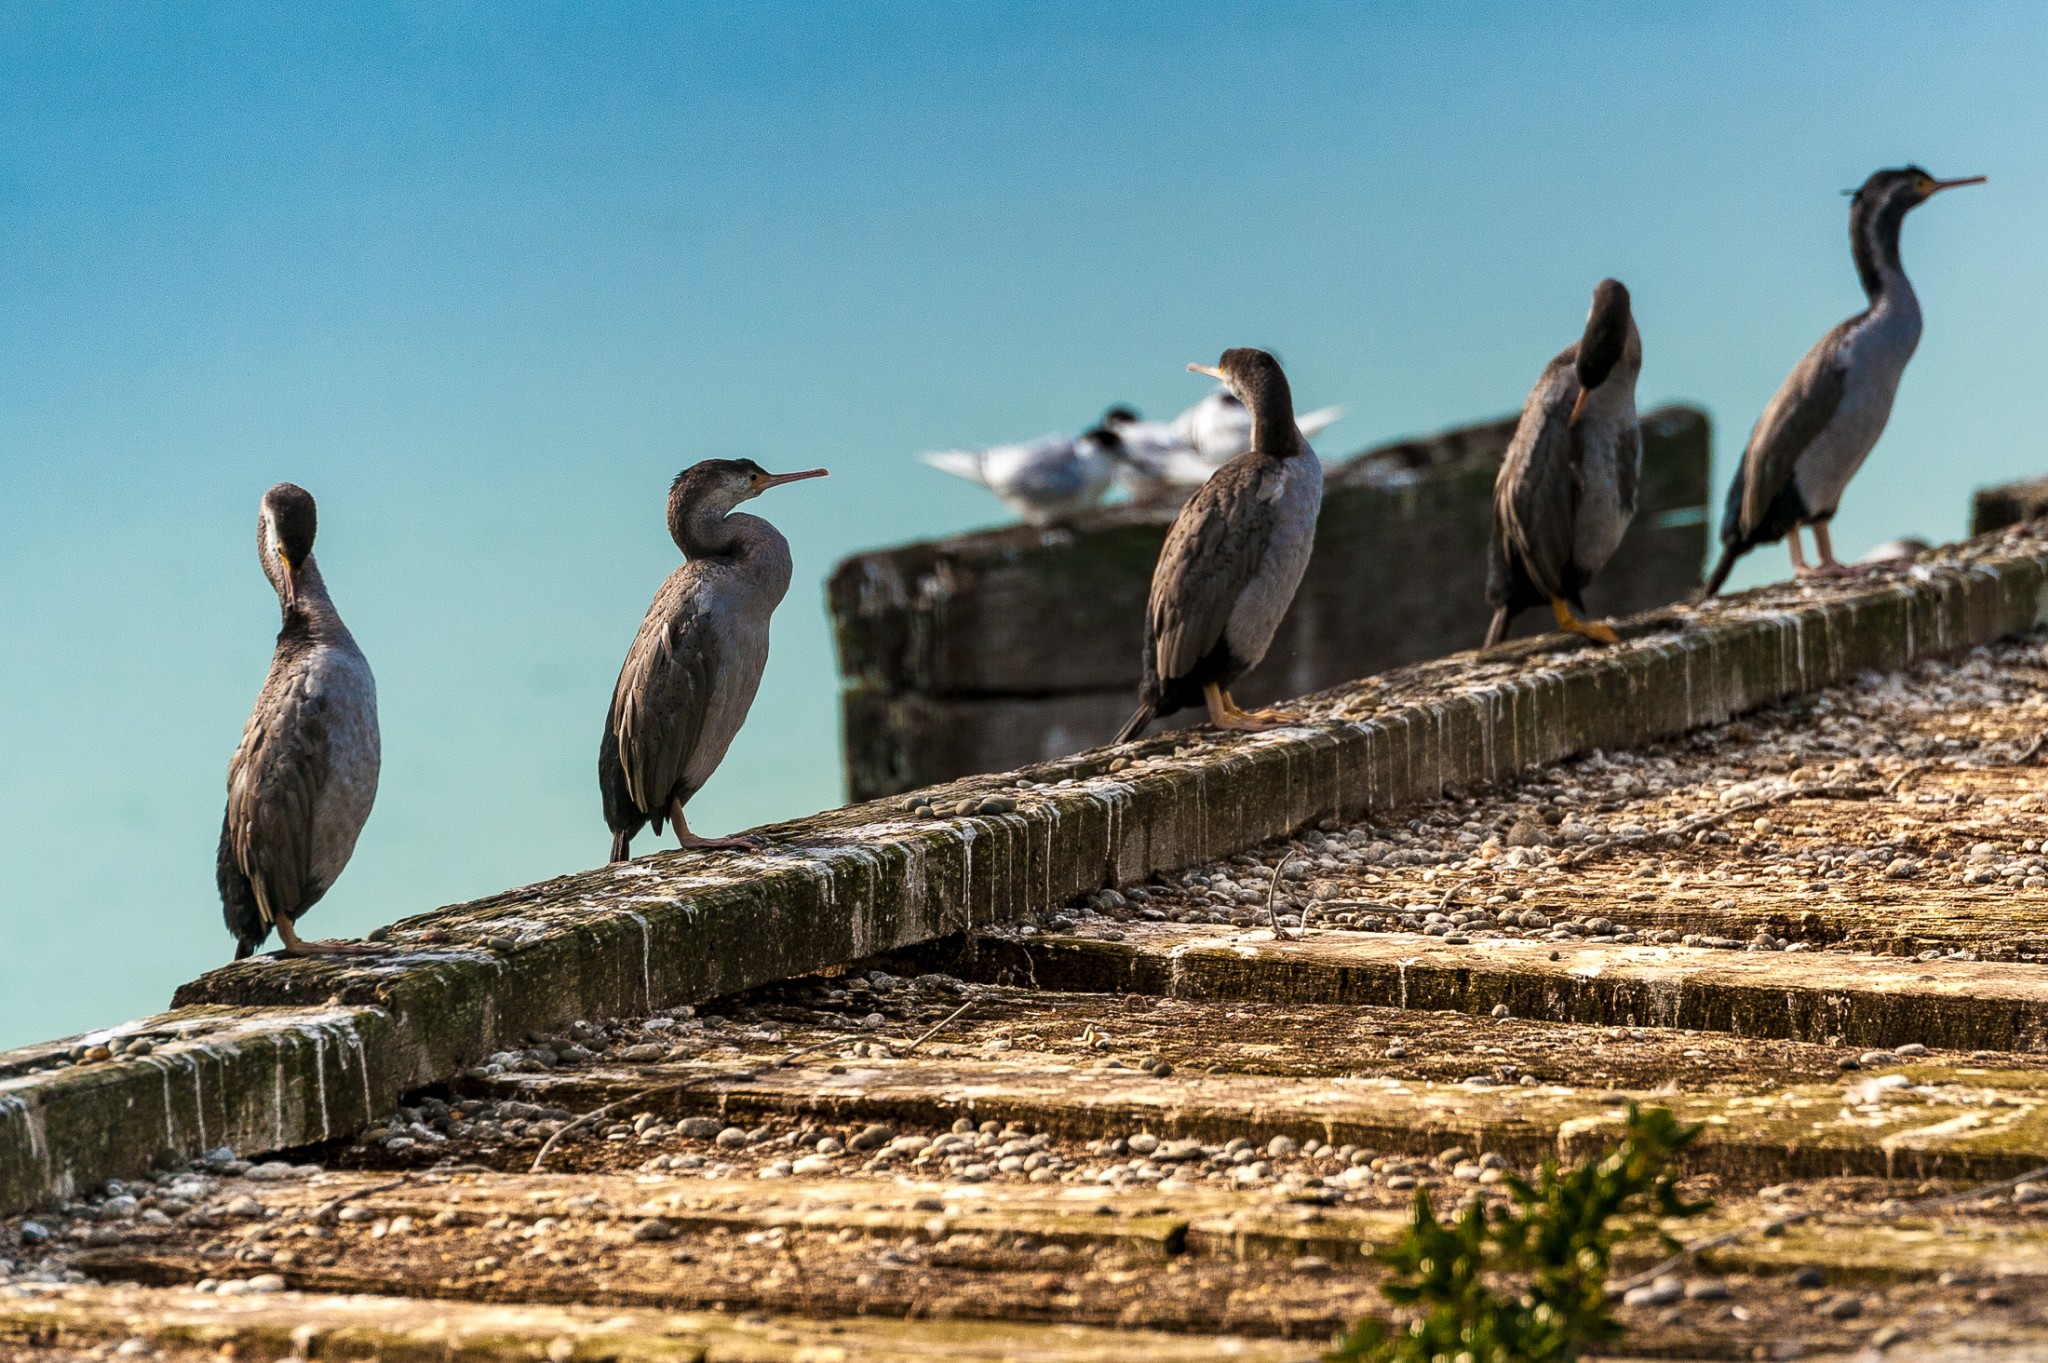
x,y
1526,1284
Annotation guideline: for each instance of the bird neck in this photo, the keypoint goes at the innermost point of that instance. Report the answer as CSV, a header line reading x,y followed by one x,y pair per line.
x,y
312,612
705,531
1274,433
1874,239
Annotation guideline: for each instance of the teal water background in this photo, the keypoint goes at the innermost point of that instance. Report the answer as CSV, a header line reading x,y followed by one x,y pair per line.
x,y
483,277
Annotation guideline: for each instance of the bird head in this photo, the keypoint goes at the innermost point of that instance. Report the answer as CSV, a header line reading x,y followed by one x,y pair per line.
x,y
284,534
1902,189
719,485
1606,339
1253,377
1120,416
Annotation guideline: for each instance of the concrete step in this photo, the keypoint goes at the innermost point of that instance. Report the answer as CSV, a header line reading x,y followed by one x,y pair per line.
x,y
183,1324
1141,1223
1859,1001
1906,1122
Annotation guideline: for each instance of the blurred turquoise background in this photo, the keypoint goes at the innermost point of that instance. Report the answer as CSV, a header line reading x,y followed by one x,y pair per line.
x,y
483,277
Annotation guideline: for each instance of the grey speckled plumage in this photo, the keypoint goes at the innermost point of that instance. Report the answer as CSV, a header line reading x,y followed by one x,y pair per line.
x,y
1566,491
303,779
1232,559
1044,481
1825,419
696,662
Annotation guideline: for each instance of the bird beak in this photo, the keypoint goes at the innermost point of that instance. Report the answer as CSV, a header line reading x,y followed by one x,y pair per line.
x,y
1211,371
1579,405
291,581
778,479
1940,185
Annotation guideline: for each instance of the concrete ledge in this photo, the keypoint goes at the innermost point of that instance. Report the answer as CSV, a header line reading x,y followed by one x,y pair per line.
x,y
245,1078
675,928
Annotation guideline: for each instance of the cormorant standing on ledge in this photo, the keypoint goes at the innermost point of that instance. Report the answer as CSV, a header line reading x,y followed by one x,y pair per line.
x,y
1232,560
301,783
1824,420
690,676
1567,489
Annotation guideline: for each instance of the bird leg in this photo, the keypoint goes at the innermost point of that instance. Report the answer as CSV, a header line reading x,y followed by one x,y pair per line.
x,y
1829,564
295,945
1827,567
1571,624
1224,714
690,842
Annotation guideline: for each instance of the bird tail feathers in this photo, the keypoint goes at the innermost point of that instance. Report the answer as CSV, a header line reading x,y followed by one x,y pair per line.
x,y
1719,576
960,463
1315,423
1135,725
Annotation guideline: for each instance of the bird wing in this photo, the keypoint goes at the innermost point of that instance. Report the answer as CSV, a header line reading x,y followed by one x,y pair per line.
x,y
1793,419
1215,545
1536,496
1053,469
1179,466
664,692
274,784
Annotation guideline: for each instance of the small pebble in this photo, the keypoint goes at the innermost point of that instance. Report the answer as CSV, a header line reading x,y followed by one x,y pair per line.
x,y
1662,1292
872,1137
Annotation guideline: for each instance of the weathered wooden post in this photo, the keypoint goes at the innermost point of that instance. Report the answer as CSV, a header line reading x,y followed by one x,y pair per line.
x,y
992,650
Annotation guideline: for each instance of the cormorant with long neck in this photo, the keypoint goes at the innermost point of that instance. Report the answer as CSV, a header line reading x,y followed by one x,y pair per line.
x,y
691,674
1232,560
301,783
1567,489
1822,423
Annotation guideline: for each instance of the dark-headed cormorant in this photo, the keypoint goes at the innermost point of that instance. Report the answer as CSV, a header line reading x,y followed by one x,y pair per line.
x,y
1824,419
1232,560
1567,489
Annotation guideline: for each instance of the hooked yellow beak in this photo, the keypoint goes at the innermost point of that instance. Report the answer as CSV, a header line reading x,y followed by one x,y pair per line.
x,y
1210,370
291,579
766,481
